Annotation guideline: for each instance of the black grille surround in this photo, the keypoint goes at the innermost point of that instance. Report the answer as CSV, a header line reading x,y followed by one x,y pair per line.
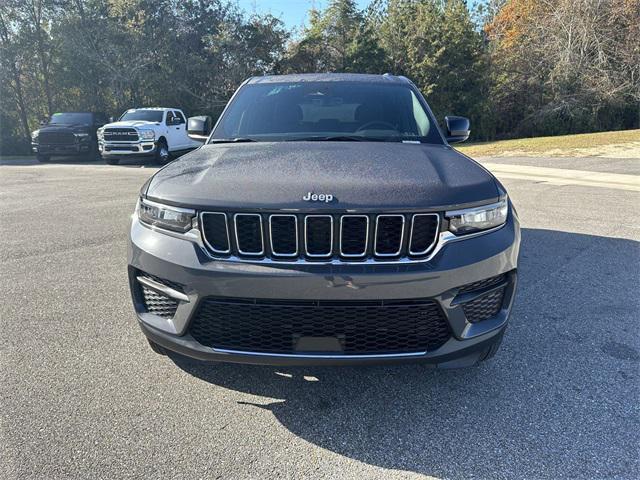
x,y
349,327
320,237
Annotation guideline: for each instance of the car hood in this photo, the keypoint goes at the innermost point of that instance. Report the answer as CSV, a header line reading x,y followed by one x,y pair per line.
x,y
64,127
359,175
132,123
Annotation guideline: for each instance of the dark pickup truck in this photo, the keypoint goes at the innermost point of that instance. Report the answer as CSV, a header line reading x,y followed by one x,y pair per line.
x,y
68,133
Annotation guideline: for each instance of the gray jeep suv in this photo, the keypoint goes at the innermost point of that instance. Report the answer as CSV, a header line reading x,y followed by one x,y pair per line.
x,y
326,220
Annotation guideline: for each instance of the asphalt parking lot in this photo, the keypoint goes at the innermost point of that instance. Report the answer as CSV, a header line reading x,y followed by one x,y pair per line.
x,y
83,396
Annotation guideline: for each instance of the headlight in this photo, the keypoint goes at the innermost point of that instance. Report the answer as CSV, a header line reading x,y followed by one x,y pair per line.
x,y
100,133
478,218
34,135
164,216
147,134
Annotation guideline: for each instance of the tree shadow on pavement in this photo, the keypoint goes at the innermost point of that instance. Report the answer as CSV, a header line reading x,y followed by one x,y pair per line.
x,y
558,400
31,161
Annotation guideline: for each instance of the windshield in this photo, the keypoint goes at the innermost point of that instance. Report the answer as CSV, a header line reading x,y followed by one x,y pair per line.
x,y
327,111
147,115
71,118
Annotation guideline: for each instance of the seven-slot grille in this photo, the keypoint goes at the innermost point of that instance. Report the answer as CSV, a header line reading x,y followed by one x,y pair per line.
x,y
346,237
120,135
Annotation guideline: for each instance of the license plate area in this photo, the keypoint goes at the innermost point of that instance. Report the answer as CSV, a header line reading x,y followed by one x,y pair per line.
x,y
318,345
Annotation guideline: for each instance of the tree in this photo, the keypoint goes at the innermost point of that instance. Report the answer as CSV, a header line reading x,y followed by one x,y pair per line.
x,y
338,39
565,66
12,68
436,44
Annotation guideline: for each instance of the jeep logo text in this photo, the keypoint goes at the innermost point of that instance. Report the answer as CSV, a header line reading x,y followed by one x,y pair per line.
x,y
318,197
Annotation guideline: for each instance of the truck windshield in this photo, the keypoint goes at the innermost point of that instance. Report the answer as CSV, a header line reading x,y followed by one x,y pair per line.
x,y
146,115
71,118
344,111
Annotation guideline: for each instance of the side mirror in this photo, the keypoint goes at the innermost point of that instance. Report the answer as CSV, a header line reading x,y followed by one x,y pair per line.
x,y
112,119
199,128
457,129
43,122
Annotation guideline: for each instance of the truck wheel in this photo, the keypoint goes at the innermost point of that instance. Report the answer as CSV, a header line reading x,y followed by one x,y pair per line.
x,y
157,348
43,158
162,153
112,160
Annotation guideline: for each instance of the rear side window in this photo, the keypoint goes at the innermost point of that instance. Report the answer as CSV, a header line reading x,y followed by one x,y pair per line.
x,y
180,116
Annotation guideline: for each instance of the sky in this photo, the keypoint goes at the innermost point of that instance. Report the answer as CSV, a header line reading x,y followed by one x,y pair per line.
x,y
292,12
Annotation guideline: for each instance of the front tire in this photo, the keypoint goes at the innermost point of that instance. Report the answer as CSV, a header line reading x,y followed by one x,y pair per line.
x,y
43,158
157,348
492,349
162,153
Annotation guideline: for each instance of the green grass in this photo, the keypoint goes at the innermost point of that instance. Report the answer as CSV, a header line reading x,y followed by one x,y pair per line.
x,y
16,157
611,144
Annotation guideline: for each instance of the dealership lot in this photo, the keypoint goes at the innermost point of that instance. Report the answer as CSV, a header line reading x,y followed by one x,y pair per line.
x,y
83,396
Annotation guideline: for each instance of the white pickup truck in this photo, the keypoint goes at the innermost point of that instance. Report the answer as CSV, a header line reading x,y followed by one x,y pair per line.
x,y
154,133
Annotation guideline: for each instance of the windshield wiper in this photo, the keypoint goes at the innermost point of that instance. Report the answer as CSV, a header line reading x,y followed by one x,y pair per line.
x,y
232,140
343,138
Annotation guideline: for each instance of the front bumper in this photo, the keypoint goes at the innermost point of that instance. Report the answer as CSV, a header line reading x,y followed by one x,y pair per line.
x,y
439,279
127,149
68,149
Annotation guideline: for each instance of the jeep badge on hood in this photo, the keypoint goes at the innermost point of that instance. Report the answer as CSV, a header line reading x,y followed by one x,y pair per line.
x,y
318,197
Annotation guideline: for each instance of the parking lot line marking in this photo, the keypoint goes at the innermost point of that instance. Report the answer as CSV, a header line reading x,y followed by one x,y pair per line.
x,y
560,176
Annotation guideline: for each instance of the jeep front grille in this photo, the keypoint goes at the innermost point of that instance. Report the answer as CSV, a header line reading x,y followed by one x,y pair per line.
x,y
340,327
120,135
320,237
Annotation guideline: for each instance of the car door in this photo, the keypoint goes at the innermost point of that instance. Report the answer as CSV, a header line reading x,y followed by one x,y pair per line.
x,y
189,143
176,126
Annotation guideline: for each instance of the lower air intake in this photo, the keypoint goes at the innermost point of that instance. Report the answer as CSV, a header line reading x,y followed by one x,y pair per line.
x,y
157,303
484,307
288,327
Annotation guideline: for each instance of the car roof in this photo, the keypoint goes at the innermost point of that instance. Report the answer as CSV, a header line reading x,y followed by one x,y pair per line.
x,y
163,109
329,77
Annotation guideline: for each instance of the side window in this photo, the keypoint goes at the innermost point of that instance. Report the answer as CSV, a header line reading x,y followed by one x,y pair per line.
x,y
180,116
170,117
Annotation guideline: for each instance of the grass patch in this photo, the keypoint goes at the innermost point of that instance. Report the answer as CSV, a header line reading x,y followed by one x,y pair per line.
x,y
619,144
16,157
